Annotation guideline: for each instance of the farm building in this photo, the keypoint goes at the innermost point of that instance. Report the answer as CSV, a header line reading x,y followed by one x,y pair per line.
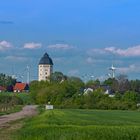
x,y
2,89
21,87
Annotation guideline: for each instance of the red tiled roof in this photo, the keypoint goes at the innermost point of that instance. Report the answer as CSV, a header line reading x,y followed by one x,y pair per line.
x,y
20,86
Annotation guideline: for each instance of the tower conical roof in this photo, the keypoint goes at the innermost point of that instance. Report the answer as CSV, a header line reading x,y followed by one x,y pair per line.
x,y
46,60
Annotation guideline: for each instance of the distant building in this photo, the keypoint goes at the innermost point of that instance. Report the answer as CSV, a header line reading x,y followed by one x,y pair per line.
x,y
21,87
10,88
87,91
2,89
45,68
106,89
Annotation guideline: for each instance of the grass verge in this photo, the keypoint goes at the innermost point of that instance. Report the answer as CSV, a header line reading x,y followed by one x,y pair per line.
x,y
14,109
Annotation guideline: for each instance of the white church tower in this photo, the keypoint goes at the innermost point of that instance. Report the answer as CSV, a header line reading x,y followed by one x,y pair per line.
x,y
45,68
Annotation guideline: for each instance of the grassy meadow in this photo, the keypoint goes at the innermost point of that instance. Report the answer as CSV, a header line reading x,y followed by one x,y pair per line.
x,y
82,125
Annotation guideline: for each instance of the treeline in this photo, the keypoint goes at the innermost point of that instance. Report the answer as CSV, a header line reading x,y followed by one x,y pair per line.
x,y
6,80
121,84
68,92
9,101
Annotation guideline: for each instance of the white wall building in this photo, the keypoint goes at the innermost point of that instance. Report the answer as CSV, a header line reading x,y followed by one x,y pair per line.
x,y
45,68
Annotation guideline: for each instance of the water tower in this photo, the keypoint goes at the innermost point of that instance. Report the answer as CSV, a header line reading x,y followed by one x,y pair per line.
x,y
45,68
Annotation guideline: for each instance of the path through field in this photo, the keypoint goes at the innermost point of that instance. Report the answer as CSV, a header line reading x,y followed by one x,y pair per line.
x,y
12,122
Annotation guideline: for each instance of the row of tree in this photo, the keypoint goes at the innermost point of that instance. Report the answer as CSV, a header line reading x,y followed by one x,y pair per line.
x,y
121,84
6,80
67,92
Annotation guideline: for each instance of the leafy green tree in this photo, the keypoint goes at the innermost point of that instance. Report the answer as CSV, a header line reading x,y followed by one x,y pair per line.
x,y
6,80
108,82
58,77
119,84
118,96
68,93
77,83
90,83
36,87
135,85
130,96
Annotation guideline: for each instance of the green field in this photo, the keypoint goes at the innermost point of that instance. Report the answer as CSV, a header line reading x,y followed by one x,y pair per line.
x,y
82,125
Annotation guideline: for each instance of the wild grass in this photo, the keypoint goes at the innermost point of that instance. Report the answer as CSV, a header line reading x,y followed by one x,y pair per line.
x,y
82,125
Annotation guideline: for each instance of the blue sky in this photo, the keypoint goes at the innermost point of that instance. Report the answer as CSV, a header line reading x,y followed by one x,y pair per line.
x,y
83,37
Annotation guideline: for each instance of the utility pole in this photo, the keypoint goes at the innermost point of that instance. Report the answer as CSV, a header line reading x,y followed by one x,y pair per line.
x,y
28,74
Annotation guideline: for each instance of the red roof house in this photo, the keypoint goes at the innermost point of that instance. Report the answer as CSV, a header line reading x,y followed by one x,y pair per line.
x,y
2,88
21,87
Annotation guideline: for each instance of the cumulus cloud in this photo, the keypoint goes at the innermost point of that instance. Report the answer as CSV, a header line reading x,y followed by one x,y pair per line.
x,y
131,51
128,52
16,58
32,45
4,45
60,46
131,68
91,60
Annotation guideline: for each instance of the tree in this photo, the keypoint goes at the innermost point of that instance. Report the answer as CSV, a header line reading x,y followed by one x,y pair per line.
x,y
118,96
36,87
123,83
130,96
108,82
77,83
6,80
113,83
135,85
120,84
68,93
57,77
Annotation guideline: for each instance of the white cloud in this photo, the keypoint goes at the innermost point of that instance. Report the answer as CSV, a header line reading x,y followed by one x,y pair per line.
x,y
131,51
16,58
60,46
131,68
128,52
4,45
91,60
32,45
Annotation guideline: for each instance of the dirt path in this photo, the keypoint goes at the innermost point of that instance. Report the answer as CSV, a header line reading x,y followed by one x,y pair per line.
x,y
27,111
